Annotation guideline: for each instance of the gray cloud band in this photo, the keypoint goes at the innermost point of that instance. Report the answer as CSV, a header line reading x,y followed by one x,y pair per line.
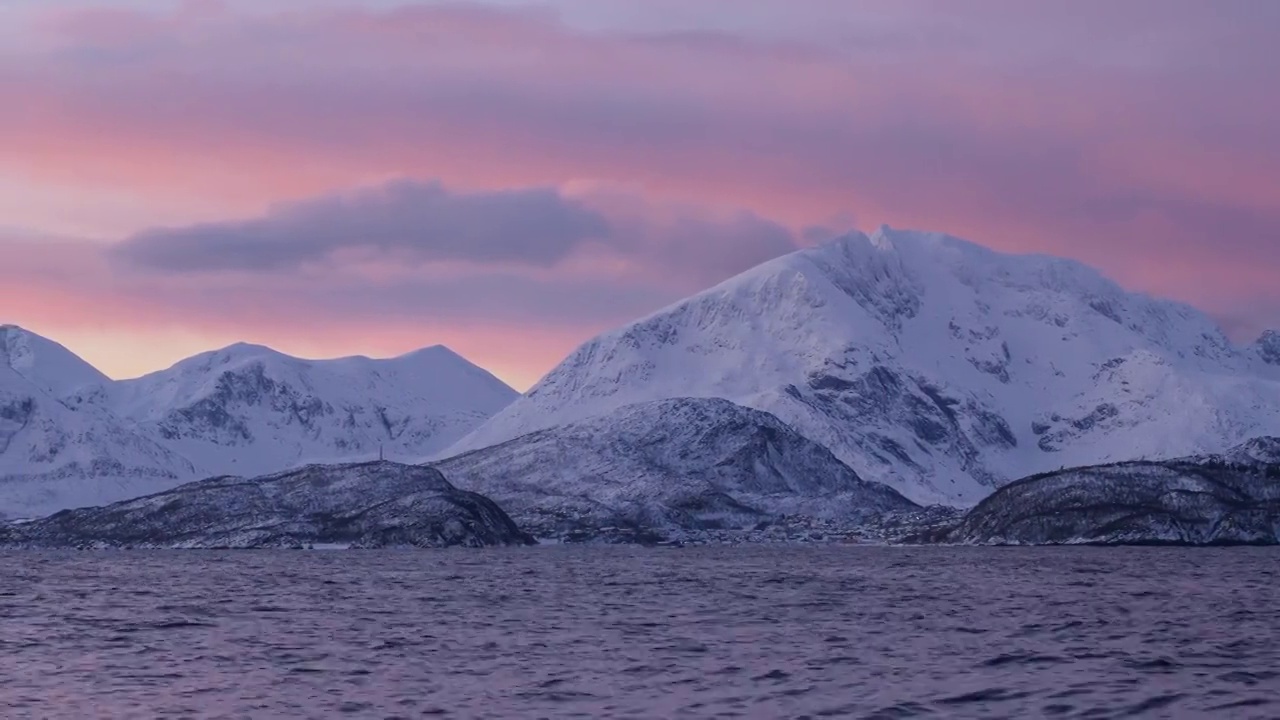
x,y
425,222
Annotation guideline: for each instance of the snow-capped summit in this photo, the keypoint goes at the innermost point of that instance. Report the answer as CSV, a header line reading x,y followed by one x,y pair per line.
x,y
45,363
249,410
929,363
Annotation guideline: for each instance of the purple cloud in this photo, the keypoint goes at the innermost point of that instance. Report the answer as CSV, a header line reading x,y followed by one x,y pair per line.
x,y
423,222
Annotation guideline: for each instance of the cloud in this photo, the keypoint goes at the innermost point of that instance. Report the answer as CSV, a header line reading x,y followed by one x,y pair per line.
x,y
688,242
421,222
515,321
542,266
288,105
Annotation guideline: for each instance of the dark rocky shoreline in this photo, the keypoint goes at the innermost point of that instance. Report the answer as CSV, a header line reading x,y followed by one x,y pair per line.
x,y
1232,499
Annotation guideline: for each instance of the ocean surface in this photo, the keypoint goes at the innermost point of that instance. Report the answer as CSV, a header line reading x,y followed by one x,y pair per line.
x,y
601,632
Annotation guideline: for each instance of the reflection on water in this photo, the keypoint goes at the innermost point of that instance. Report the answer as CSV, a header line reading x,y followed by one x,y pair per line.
x,y
756,632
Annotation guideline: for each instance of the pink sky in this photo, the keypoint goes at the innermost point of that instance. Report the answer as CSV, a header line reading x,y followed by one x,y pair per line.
x,y
509,179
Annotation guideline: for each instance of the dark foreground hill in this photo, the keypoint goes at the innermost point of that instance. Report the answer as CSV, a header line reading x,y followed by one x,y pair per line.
x,y
1233,498
669,467
367,505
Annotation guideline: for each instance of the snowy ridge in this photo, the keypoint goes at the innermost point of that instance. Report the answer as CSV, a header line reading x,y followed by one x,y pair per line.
x,y
70,437
249,410
931,364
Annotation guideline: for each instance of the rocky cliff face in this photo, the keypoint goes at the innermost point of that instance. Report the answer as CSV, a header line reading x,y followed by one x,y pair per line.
x,y
1268,347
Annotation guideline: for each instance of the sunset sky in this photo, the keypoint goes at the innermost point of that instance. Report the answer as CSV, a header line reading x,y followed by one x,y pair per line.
x,y
333,177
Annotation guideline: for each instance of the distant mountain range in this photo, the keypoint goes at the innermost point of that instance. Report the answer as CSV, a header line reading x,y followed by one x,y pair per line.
x,y
870,374
69,436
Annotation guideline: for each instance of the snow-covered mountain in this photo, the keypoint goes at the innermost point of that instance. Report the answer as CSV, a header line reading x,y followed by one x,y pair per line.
x,y
55,455
71,437
931,364
686,463
249,410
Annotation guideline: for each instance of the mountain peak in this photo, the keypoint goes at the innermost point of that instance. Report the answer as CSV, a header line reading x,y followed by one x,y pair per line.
x,y
248,351
924,247
245,349
901,239
11,333
232,357
431,352
47,364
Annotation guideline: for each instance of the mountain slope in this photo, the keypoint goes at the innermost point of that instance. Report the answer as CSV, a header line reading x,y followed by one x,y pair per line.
x,y
683,463
376,504
44,363
249,410
53,455
1198,500
929,363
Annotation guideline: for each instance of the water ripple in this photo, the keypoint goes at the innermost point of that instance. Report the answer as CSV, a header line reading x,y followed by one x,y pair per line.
x,y
771,632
